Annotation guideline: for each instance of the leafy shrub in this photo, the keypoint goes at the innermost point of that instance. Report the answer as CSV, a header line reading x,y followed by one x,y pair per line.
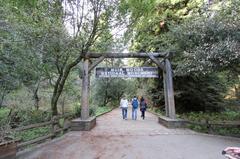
x,y
4,112
77,111
101,110
23,117
213,117
223,116
32,133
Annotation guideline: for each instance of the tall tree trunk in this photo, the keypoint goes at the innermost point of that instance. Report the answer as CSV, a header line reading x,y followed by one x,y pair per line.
x,y
63,104
1,99
58,87
35,97
105,98
237,91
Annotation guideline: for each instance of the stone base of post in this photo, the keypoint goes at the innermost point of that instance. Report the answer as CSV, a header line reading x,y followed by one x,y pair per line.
x,y
172,123
83,125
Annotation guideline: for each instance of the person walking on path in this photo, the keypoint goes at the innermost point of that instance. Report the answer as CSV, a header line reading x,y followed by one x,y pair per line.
x,y
143,107
124,106
134,108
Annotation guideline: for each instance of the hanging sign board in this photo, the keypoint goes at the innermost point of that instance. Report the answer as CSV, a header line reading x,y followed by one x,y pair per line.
x,y
127,72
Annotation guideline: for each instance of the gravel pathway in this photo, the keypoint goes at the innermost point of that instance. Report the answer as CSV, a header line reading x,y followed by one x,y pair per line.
x,y
115,138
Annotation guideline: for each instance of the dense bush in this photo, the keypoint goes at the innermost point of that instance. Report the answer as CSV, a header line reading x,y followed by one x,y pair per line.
x,y
32,133
223,116
199,93
22,117
77,111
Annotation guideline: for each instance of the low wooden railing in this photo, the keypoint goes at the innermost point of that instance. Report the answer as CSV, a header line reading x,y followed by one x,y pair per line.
x,y
210,126
225,124
54,130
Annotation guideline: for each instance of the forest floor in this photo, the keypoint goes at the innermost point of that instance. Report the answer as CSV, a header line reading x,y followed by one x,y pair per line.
x,y
115,138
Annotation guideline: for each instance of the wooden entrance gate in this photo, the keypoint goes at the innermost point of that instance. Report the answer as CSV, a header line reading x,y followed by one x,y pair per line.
x,y
160,59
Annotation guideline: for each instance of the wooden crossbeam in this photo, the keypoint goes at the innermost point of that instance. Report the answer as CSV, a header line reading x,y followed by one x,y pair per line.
x,y
126,55
157,62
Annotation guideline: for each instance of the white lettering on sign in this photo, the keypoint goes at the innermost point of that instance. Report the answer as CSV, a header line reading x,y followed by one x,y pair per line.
x,y
130,72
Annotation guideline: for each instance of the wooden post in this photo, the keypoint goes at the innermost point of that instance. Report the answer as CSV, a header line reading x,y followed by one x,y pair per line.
x,y
165,94
169,90
84,101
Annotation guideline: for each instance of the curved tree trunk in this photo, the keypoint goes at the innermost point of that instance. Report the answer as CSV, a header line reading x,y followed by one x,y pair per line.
x,y
1,100
58,87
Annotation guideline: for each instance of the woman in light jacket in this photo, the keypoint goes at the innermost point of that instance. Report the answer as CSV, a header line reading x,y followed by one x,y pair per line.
x,y
124,106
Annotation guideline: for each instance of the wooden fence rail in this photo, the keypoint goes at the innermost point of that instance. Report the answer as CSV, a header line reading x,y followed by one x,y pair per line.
x,y
37,140
33,126
224,124
212,126
54,130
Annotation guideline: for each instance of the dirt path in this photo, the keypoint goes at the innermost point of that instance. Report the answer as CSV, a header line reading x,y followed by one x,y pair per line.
x,y
114,138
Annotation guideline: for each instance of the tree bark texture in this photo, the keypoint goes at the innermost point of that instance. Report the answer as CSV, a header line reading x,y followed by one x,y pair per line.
x,y
36,97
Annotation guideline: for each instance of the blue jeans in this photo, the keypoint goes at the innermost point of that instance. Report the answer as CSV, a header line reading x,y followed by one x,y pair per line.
x,y
134,114
124,113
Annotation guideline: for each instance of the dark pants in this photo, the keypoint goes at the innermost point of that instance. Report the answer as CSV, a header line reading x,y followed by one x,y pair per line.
x,y
143,113
124,113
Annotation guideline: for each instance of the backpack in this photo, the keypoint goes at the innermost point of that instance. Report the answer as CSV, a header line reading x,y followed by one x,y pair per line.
x,y
135,103
143,105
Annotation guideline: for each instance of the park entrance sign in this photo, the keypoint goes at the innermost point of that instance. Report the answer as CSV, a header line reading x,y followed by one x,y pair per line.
x,y
127,72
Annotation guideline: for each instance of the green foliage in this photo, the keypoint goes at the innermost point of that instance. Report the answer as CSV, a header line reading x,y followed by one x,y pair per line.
x,y
216,130
35,45
77,111
199,93
213,117
222,116
156,110
111,90
199,128
6,133
4,112
208,49
23,117
205,41
22,44
154,22
228,131
32,133
101,110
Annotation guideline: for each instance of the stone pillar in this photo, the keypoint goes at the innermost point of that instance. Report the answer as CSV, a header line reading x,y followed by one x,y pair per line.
x,y
85,91
169,90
